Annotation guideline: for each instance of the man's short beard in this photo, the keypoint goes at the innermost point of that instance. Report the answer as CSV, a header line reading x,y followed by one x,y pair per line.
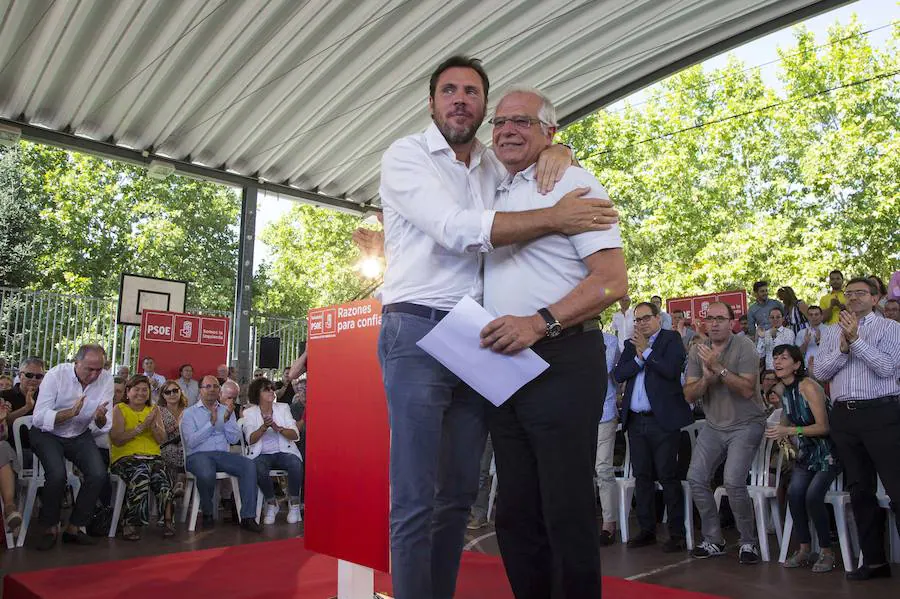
x,y
456,136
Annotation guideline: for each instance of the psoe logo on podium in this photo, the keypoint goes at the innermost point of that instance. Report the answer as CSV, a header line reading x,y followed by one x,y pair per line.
x,y
322,323
158,327
187,329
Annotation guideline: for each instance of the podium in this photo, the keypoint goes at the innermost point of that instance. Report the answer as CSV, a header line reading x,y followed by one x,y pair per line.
x,y
347,445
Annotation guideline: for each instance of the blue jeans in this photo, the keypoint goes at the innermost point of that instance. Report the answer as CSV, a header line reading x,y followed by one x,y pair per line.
x,y
278,461
806,497
204,465
438,433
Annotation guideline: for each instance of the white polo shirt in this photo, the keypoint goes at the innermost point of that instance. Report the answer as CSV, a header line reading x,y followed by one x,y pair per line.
x,y
59,391
520,279
437,219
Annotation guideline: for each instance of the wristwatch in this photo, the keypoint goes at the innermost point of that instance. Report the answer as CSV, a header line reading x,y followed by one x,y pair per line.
x,y
723,373
553,326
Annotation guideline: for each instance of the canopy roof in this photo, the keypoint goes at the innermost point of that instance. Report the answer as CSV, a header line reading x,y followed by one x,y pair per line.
x,y
302,98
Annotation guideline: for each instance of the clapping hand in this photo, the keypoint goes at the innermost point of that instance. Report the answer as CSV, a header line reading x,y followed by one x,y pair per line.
x,y
710,359
268,421
76,407
640,343
849,324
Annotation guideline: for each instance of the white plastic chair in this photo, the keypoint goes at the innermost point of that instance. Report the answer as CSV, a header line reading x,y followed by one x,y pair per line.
x,y
626,484
762,493
840,501
894,538
32,479
245,451
191,490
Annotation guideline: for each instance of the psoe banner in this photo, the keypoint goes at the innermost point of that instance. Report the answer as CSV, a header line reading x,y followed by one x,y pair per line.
x,y
695,306
347,437
174,338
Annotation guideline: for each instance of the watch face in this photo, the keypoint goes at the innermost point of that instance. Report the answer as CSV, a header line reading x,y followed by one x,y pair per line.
x,y
553,330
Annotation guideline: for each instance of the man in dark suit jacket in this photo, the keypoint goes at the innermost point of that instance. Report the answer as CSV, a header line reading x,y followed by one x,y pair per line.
x,y
653,413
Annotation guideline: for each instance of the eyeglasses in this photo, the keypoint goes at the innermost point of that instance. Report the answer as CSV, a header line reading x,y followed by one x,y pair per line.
x,y
642,319
716,319
32,375
172,391
857,293
519,122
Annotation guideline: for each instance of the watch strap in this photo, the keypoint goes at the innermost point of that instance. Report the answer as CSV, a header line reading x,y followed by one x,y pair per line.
x,y
547,316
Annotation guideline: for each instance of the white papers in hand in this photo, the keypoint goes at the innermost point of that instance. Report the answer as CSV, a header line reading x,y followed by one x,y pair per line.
x,y
455,342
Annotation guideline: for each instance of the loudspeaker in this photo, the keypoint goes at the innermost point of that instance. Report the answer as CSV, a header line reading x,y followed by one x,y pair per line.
x,y
269,351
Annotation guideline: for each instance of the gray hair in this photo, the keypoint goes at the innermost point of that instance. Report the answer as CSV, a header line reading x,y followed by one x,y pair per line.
x,y
32,360
231,383
547,111
88,348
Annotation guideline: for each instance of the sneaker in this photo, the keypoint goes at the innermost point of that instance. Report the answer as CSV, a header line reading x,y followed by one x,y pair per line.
x,y
476,523
272,510
293,515
749,554
708,549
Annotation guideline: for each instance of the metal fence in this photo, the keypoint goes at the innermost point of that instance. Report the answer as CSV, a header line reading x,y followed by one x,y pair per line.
x,y
53,325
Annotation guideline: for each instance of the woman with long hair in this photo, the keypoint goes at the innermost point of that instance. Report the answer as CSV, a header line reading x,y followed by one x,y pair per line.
x,y
271,432
172,402
804,415
795,310
136,433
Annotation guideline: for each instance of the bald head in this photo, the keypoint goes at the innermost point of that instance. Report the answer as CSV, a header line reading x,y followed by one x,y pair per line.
x,y
209,390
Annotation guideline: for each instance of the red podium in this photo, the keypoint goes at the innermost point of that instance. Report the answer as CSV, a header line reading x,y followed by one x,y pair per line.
x,y
347,445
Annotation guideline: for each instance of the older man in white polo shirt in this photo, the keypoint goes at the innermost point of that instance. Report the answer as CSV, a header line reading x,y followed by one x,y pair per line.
x,y
545,436
73,396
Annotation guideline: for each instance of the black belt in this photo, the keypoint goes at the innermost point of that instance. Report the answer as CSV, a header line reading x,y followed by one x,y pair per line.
x,y
648,414
857,404
416,310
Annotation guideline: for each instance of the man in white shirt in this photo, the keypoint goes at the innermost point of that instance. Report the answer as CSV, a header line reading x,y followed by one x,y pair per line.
x,y
623,322
545,435
778,334
664,317
189,386
73,395
156,380
809,338
437,189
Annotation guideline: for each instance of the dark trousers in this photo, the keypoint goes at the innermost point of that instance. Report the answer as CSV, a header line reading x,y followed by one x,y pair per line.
x,y
53,451
654,456
545,439
806,497
868,443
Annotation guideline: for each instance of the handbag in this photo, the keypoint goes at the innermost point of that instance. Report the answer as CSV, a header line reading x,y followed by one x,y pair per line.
x,y
100,521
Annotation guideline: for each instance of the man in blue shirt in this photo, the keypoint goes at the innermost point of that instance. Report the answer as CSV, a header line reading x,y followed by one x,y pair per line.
x,y
653,414
208,430
758,313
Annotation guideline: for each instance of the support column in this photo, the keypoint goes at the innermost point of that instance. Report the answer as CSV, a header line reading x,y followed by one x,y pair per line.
x,y
243,295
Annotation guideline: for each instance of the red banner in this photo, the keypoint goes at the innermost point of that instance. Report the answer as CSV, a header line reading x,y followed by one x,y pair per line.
x,y
347,437
694,307
173,339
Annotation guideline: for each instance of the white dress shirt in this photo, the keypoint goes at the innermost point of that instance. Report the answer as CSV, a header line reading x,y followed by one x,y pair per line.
x,y
59,391
521,278
869,371
765,344
437,220
812,348
623,325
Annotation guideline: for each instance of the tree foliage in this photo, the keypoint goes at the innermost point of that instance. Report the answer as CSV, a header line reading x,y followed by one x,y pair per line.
x,y
98,218
785,194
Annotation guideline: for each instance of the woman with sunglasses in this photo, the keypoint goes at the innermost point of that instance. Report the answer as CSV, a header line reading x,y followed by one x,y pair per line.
x,y
136,433
271,432
172,402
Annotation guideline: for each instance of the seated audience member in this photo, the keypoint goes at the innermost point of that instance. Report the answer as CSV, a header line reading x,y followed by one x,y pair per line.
x,y
189,386
229,396
123,372
156,380
208,428
73,395
682,327
8,466
118,389
808,339
881,294
804,415
6,382
222,373
172,402
744,322
892,310
21,399
795,312
136,433
778,334
767,380
271,433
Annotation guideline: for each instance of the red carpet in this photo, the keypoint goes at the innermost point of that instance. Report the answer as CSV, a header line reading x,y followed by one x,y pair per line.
x,y
282,569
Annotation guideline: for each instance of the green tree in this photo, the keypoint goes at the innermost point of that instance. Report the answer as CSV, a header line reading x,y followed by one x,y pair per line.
x,y
313,262
18,224
784,193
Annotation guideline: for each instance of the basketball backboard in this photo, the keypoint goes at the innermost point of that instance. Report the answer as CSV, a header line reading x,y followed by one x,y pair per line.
x,y
138,293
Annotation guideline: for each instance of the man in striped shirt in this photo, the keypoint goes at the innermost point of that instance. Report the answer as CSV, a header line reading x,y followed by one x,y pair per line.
x,y
860,355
